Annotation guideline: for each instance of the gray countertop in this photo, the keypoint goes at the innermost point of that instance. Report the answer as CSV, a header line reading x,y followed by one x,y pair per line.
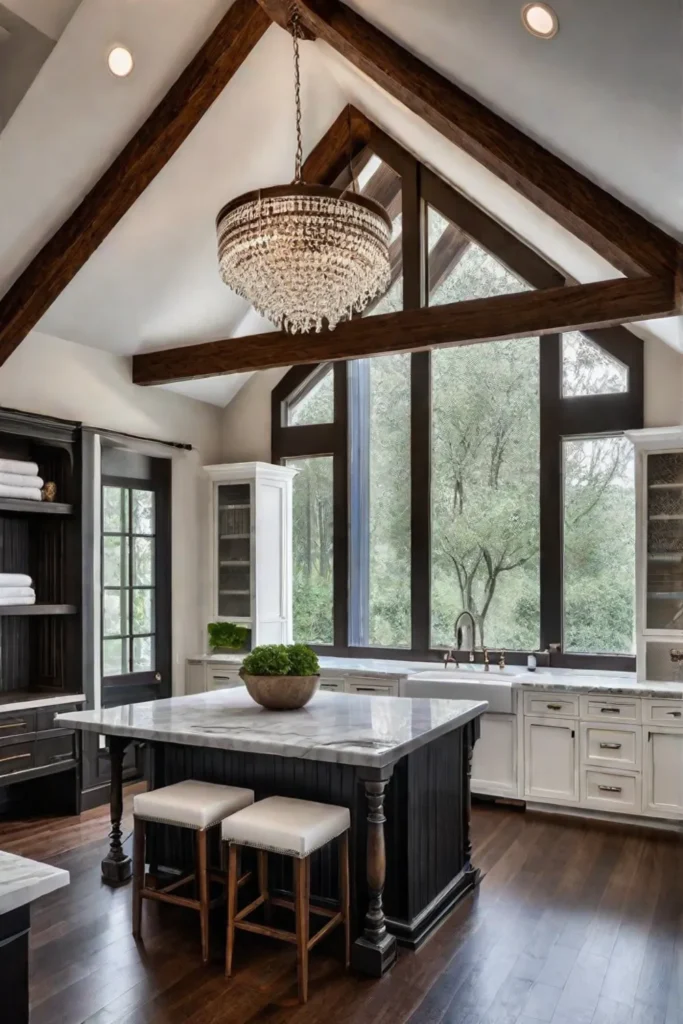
x,y
22,881
518,677
344,728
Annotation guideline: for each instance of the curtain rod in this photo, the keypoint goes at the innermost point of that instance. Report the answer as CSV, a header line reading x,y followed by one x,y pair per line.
x,y
180,445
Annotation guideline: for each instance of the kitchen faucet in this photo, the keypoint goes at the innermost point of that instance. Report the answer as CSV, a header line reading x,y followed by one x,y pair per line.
x,y
457,629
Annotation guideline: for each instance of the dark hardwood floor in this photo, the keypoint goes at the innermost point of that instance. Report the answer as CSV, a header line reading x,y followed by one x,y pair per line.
x,y
574,923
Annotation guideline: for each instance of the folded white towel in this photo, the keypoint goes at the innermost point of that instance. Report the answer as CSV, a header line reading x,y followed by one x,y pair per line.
x,y
15,466
17,592
17,480
15,579
7,602
27,493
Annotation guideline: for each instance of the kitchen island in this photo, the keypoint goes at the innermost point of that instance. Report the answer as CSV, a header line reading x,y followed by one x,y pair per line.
x,y
22,882
401,766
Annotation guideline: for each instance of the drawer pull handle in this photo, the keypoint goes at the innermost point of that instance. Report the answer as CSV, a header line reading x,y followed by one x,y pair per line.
x,y
674,714
554,707
14,757
18,723
370,689
610,711
610,789
610,746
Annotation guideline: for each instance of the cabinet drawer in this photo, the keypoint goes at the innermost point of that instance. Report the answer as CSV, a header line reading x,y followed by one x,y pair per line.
x,y
220,679
17,725
332,683
54,749
378,687
16,757
611,748
664,712
610,791
608,709
564,705
45,720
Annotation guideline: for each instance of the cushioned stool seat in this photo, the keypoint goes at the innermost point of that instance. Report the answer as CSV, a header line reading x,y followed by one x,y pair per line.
x,y
292,828
199,806
281,824
191,804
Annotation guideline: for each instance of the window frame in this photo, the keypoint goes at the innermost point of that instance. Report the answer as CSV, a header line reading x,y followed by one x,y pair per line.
x,y
561,417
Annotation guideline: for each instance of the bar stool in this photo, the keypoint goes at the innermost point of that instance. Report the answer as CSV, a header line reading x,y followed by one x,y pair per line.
x,y
296,829
195,805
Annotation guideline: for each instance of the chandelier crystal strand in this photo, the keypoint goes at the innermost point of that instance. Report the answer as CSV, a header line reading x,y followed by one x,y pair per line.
x,y
305,256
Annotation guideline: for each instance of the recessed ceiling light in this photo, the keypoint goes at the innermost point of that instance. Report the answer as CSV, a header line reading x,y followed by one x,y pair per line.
x,y
120,61
540,20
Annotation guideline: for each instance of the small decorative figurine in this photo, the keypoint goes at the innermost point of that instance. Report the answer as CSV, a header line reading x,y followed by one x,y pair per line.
x,y
49,491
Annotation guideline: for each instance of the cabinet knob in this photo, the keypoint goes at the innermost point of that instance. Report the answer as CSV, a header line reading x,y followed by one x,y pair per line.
x,y
157,676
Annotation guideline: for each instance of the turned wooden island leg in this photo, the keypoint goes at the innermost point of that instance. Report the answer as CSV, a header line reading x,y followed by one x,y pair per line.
x,y
375,951
116,866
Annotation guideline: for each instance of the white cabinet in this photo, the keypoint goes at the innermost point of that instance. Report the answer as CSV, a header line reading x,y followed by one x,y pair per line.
x,y
494,762
223,678
616,746
551,760
663,772
251,548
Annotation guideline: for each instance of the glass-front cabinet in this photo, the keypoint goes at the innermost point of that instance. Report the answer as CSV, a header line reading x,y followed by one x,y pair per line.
x,y
251,548
659,483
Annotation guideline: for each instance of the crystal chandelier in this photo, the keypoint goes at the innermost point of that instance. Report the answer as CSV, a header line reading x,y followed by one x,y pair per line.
x,y
304,255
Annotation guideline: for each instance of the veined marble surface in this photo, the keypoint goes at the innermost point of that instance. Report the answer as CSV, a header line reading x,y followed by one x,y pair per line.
x,y
346,728
22,881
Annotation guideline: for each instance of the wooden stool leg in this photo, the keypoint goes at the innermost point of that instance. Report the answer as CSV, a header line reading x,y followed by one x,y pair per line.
x,y
204,898
232,909
345,894
138,873
302,888
263,883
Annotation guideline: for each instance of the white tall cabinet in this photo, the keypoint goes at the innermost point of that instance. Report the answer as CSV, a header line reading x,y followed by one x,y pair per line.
x,y
251,548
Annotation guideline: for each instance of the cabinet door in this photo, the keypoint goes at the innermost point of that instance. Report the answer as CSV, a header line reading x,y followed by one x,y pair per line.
x,y
551,761
663,775
494,762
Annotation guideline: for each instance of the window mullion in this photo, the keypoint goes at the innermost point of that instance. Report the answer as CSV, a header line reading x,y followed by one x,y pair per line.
x,y
550,491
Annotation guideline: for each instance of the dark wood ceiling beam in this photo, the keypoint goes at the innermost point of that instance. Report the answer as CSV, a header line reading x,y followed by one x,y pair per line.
x,y
523,314
623,237
342,143
137,165
445,255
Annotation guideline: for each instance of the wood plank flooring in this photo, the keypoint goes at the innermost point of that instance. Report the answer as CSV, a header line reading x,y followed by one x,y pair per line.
x,y
574,923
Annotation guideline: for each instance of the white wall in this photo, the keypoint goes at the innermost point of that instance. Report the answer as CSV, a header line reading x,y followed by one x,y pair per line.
x,y
59,378
246,422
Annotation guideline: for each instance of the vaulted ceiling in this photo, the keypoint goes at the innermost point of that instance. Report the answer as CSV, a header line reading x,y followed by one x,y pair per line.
x,y
606,95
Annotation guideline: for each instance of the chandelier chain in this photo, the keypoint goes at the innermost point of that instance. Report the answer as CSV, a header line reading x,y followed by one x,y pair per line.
x,y
298,165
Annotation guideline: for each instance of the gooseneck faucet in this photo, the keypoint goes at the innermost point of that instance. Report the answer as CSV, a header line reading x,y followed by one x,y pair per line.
x,y
457,629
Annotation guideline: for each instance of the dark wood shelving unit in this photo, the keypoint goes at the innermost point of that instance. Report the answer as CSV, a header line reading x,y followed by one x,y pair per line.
x,y
41,644
38,609
44,508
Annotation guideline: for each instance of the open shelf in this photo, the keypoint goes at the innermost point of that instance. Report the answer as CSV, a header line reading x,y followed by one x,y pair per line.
x,y
45,508
38,609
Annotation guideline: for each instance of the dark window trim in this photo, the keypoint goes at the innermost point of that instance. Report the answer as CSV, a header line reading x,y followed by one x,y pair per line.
x,y
560,418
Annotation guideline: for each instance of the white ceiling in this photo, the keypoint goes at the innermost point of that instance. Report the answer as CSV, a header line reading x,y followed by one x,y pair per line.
x,y
606,94
48,16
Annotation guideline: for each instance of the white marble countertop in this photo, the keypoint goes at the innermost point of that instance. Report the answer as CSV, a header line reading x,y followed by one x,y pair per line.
x,y
345,728
30,703
560,679
22,881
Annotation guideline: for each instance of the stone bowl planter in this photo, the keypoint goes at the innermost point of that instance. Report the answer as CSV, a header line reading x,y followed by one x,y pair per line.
x,y
281,693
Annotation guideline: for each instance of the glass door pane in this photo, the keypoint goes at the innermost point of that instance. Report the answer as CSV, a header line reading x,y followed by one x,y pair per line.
x,y
234,551
665,541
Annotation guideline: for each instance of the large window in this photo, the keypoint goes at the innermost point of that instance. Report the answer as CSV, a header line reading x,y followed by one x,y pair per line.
x,y
313,561
492,477
485,492
599,545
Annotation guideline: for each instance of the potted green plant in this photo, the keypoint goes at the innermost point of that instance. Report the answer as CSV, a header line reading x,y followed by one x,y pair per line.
x,y
226,636
281,677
